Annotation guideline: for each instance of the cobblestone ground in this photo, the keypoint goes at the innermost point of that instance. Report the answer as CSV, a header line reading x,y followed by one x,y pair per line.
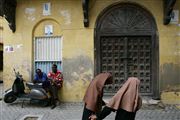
x,y
73,111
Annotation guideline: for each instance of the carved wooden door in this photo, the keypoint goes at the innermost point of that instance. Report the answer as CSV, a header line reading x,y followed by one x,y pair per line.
x,y
125,57
126,44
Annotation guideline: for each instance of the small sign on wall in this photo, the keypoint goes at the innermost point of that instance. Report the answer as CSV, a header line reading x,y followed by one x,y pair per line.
x,y
48,30
8,48
175,17
47,9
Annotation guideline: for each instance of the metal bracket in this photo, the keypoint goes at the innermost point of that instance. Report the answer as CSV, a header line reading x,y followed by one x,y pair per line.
x,y
85,5
168,7
8,10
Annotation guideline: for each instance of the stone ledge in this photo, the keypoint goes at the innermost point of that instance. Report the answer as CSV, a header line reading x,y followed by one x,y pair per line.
x,y
170,97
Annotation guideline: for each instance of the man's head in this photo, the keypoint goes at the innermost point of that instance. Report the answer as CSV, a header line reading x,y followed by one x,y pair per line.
x,y
38,71
54,68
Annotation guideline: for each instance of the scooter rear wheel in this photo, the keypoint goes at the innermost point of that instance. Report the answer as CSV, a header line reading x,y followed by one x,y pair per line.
x,y
44,103
9,98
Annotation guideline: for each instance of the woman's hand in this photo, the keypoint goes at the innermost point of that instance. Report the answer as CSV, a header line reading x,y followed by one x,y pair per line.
x,y
92,117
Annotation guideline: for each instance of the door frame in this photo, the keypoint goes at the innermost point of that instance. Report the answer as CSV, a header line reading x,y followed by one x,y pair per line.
x,y
118,32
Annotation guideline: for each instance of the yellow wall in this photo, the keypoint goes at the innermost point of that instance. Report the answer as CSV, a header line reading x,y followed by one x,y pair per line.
x,y
66,19
78,42
169,40
170,55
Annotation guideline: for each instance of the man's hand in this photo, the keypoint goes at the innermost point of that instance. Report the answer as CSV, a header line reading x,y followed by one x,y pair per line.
x,y
51,79
92,117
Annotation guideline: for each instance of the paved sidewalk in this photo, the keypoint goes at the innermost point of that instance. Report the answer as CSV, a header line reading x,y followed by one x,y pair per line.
x,y
73,111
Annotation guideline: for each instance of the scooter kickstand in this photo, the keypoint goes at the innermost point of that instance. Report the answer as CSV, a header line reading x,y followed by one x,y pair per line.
x,y
22,105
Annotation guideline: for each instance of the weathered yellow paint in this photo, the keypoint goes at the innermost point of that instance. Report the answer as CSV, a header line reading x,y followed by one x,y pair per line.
x,y
75,93
78,42
67,22
171,97
39,27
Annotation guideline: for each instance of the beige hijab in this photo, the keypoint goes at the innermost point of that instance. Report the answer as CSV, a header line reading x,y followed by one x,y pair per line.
x,y
94,92
127,97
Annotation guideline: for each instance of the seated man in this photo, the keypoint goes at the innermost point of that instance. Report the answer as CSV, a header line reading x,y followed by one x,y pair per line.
x,y
56,79
41,77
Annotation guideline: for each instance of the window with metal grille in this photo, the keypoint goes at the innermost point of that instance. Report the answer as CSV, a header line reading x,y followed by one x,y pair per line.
x,y
47,51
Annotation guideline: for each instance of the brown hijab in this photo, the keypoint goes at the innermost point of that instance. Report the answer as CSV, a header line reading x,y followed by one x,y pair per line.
x,y
127,97
94,92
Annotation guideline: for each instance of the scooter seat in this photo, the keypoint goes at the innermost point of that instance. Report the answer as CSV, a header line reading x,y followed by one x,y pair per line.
x,y
32,85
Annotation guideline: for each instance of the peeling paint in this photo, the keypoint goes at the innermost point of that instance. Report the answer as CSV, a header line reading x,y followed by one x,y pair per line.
x,y
170,77
23,67
67,16
78,72
29,13
170,97
19,46
78,68
177,53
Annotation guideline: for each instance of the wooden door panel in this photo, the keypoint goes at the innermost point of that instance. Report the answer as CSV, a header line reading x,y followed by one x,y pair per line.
x,y
125,57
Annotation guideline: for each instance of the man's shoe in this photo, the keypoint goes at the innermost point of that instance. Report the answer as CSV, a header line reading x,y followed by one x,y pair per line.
x,y
53,106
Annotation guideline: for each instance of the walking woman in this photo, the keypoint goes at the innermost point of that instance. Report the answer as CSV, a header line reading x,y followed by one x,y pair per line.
x,y
125,102
94,93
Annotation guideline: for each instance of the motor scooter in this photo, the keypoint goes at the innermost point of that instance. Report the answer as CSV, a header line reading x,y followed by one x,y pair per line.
x,y
36,92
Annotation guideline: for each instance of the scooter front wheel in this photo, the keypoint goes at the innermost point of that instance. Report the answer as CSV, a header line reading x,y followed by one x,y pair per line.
x,y
9,98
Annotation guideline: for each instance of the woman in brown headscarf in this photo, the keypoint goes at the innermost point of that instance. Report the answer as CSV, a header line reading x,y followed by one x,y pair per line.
x,y
125,102
94,93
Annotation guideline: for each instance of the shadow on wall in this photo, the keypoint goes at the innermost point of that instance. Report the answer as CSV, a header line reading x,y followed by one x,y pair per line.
x,y
170,77
77,68
1,76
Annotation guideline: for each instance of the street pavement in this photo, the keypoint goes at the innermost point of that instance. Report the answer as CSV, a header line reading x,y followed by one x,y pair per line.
x,y
73,111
